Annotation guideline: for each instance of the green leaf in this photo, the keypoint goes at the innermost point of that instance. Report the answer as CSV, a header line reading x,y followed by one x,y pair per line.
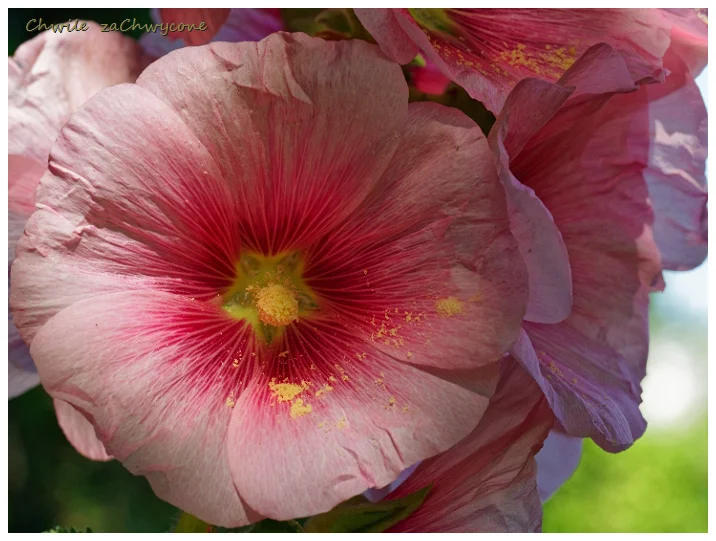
x,y
190,524
359,515
61,529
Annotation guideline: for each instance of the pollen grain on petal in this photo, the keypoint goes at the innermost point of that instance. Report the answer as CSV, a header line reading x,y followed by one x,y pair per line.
x,y
448,307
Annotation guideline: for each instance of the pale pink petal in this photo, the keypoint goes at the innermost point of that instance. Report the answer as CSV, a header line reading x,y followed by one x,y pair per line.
x,y
361,434
487,482
556,462
161,417
488,51
79,431
212,19
292,135
384,26
120,232
54,73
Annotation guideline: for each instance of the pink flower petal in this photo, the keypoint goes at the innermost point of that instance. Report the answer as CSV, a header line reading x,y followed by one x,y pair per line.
x,y
487,482
360,434
22,374
689,36
164,416
54,73
487,51
463,305
213,19
556,462
528,107
79,431
331,142
600,205
384,25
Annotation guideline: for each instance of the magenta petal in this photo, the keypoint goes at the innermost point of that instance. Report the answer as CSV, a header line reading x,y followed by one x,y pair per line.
x,y
556,462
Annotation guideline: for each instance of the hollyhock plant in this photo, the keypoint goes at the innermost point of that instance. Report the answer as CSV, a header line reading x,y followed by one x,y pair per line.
x,y
599,159
266,280
49,77
487,51
238,24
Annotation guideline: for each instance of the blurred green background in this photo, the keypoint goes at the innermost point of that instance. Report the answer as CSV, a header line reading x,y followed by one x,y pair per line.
x,y
658,485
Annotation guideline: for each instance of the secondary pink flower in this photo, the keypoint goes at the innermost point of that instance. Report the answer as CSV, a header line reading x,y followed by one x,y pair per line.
x,y
487,51
619,171
266,280
487,482
238,24
49,77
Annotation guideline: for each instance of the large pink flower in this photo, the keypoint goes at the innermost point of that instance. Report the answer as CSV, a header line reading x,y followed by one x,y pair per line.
x,y
620,173
266,280
487,51
487,482
237,24
49,77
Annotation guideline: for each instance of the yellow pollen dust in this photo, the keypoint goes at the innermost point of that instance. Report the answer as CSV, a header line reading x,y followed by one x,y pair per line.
x,y
285,392
299,408
277,305
448,307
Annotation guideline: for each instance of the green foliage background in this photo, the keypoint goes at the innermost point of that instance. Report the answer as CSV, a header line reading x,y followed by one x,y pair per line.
x,y
659,485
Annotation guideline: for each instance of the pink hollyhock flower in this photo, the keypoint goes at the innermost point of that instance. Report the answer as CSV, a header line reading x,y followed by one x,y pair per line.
x,y
266,280
48,78
238,24
487,482
620,172
487,51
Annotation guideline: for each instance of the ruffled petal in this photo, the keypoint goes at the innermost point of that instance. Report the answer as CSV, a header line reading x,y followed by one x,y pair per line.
x,y
601,207
308,149
487,482
384,25
463,303
556,462
335,439
488,51
676,172
165,415
587,384
79,431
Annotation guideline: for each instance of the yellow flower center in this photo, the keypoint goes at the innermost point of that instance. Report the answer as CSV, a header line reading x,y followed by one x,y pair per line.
x,y
269,293
277,305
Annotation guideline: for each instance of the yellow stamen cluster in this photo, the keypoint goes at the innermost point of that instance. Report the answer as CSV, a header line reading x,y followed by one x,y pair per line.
x,y
277,305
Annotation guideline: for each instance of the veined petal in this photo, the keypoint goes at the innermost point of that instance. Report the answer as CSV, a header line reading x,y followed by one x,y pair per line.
x,y
165,415
487,482
79,431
